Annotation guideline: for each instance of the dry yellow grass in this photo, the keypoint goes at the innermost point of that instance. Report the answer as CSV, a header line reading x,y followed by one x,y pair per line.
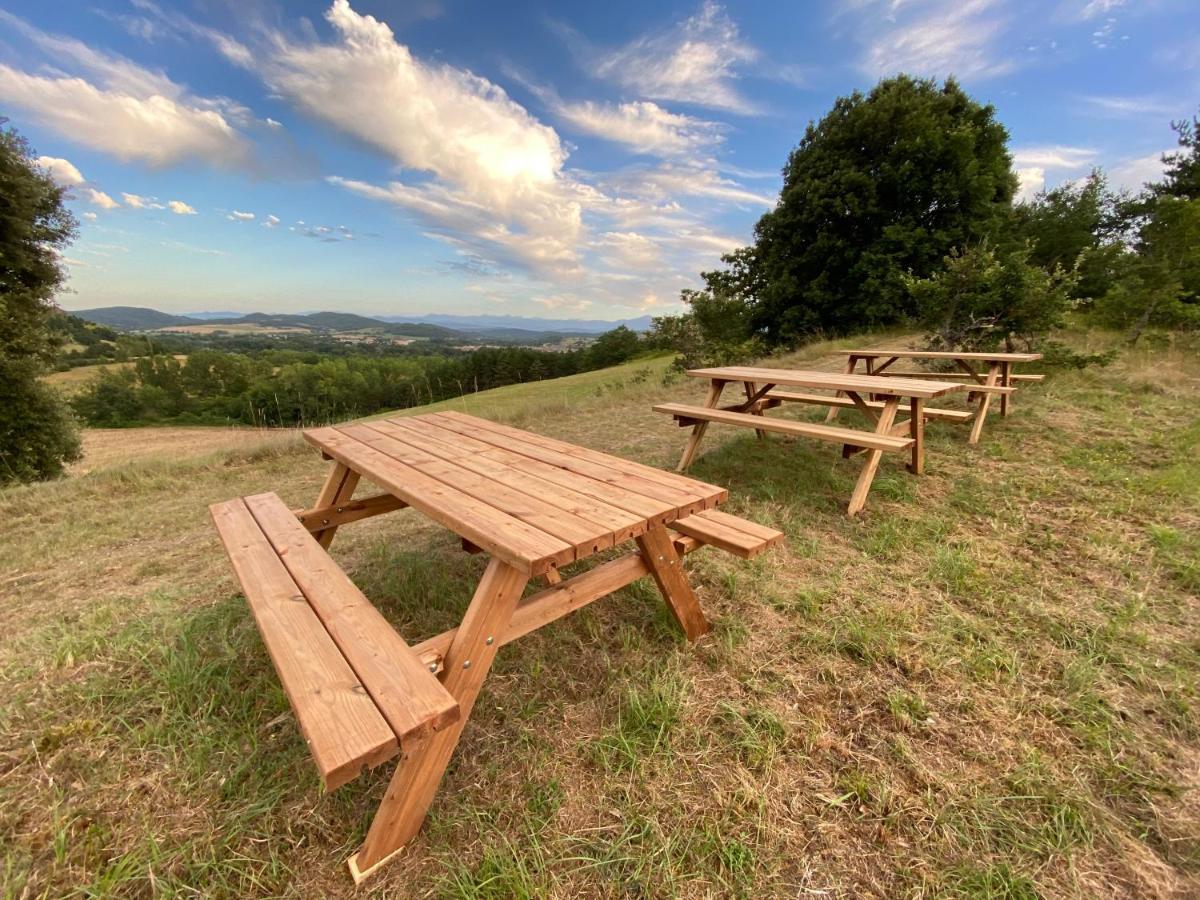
x,y
987,686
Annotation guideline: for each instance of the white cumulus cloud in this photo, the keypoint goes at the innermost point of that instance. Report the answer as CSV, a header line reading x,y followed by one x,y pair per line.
x,y
1032,181
271,222
62,171
180,208
101,199
1054,156
239,216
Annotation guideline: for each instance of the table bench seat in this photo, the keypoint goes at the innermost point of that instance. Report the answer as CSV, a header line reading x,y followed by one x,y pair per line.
x,y
732,534
359,692
946,415
960,376
690,415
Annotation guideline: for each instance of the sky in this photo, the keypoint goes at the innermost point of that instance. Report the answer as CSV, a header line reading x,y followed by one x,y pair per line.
x,y
519,158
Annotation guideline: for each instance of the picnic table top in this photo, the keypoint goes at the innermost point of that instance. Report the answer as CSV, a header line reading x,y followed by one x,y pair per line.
x,y
532,501
946,354
919,388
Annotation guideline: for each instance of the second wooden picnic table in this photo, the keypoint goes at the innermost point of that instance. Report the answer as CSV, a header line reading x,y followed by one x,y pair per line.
x,y
878,398
986,373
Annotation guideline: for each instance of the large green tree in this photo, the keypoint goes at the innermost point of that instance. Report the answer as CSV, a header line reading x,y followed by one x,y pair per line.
x,y
884,186
37,433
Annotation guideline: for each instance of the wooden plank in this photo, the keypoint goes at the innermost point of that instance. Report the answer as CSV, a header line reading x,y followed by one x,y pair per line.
x,y
552,603
832,433
606,470
948,415
414,702
858,498
649,508
986,356
338,489
866,384
468,660
667,570
319,518
689,486
916,424
962,376
341,723
715,388
727,533
521,545
984,403
585,537
619,523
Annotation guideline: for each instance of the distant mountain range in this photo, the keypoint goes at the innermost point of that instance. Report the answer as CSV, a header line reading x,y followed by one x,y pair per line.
x,y
507,329
527,323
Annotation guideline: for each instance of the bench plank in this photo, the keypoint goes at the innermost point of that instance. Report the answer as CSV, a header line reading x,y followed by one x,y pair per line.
x,y
997,356
729,533
339,720
831,433
411,699
949,415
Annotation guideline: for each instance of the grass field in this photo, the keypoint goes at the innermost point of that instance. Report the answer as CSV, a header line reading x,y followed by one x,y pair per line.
x,y
72,381
986,686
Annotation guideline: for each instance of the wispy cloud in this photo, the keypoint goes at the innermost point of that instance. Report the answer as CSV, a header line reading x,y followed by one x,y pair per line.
x,y
933,38
642,126
137,202
238,216
116,106
695,61
1054,156
180,208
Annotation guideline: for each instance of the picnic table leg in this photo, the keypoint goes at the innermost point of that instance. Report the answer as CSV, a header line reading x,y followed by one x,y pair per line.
x,y
689,452
916,426
985,401
666,566
1005,381
339,488
466,664
752,389
851,365
858,499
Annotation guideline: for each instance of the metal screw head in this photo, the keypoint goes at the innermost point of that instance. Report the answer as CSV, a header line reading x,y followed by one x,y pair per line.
x,y
339,509
466,664
324,521
433,667
490,640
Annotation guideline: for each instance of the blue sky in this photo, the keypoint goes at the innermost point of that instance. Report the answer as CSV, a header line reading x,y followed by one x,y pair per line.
x,y
562,159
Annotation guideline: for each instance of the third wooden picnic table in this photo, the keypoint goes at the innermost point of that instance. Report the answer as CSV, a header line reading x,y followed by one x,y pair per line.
x,y
993,376
878,398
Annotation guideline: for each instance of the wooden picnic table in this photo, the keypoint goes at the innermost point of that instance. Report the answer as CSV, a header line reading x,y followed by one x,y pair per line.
x,y
361,693
997,379
879,399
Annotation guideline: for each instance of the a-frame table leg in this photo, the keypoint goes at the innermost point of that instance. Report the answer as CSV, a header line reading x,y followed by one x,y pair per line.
x,y
887,416
666,567
715,389
339,488
466,664
981,410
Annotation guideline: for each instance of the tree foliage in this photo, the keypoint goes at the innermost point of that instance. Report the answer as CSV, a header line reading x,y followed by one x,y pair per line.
x,y
288,387
884,185
37,434
1080,226
982,300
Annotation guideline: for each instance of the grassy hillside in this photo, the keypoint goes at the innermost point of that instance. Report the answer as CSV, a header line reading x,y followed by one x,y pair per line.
x,y
985,686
